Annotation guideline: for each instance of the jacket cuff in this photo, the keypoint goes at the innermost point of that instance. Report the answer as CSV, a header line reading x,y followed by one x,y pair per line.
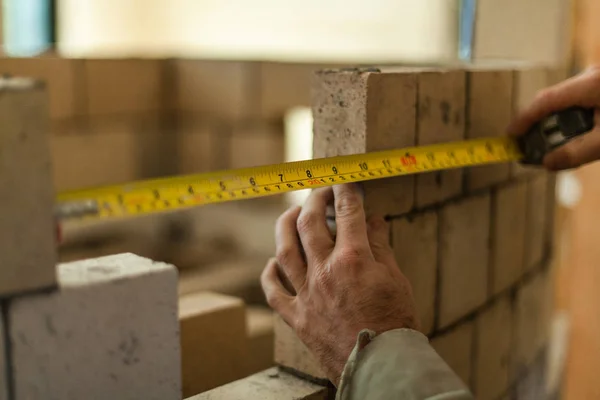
x,y
397,364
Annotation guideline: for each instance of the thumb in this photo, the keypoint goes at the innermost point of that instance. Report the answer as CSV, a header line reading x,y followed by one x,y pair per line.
x,y
378,231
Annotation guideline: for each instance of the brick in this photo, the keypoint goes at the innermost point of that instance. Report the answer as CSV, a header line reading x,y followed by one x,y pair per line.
x,y
536,220
26,192
415,244
489,111
201,146
220,89
508,235
157,152
528,81
261,338
357,112
124,86
271,384
493,345
60,76
111,330
3,361
112,150
293,355
255,146
213,341
533,309
85,160
441,119
464,255
456,348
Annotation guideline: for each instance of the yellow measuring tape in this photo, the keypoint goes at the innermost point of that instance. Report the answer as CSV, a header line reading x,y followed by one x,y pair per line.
x,y
169,194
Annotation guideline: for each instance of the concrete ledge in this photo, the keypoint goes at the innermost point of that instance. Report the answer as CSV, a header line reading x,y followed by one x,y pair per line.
x,y
271,384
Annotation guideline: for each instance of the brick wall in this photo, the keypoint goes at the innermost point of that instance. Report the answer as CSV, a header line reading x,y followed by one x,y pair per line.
x,y
116,120
476,243
119,120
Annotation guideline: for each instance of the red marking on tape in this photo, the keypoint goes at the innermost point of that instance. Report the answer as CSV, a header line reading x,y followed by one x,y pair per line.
x,y
408,160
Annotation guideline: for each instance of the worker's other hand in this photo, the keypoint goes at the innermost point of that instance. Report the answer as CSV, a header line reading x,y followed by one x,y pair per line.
x,y
581,90
343,284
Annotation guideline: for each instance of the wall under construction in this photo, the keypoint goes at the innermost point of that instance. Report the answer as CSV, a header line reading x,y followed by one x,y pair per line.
x,y
475,244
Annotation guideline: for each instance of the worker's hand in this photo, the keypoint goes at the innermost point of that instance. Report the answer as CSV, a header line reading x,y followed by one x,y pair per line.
x,y
344,284
582,90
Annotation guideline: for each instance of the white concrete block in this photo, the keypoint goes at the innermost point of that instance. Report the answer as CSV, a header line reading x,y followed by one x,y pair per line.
x,y
3,369
110,332
270,384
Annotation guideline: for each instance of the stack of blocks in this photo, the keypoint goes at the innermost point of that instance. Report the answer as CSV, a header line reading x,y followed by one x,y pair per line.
x,y
126,119
475,245
111,327
103,328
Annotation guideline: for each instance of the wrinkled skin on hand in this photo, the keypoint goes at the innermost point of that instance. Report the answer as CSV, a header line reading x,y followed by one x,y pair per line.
x,y
582,90
340,285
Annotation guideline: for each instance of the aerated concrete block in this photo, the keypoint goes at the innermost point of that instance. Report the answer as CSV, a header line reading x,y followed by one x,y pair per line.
x,y
109,332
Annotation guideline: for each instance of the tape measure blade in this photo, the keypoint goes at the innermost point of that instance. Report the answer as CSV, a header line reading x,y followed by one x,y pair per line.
x,y
165,194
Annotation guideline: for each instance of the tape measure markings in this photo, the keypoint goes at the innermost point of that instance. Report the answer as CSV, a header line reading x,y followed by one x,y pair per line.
x,y
168,194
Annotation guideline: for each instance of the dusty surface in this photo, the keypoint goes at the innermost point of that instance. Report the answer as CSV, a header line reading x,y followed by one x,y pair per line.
x,y
110,332
267,385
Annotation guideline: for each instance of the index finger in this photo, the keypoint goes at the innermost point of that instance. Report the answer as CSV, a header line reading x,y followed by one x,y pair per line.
x,y
350,219
582,90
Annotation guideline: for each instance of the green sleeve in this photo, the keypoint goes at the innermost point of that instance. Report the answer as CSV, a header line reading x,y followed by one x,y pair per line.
x,y
398,364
